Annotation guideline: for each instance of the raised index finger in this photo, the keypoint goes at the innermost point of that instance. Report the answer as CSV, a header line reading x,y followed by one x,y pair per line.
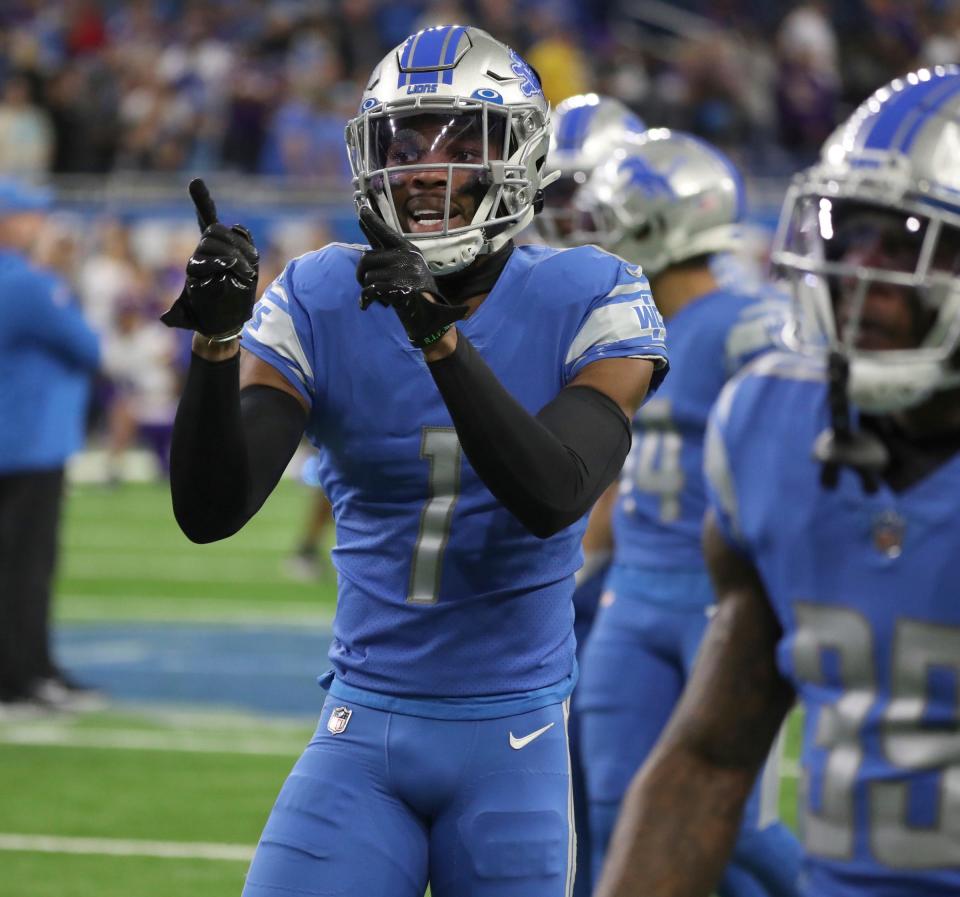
x,y
203,201
379,233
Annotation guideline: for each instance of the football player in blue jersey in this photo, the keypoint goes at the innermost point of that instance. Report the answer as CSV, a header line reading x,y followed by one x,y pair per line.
x,y
472,399
832,541
585,127
672,203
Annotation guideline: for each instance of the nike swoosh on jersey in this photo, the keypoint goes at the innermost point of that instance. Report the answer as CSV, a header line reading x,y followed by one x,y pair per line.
x,y
517,743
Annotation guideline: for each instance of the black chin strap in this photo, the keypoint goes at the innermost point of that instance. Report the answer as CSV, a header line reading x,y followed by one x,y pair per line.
x,y
842,446
477,278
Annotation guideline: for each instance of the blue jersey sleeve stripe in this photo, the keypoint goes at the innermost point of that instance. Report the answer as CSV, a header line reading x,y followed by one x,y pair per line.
x,y
616,322
273,325
654,352
281,326
630,290
276,293
283,365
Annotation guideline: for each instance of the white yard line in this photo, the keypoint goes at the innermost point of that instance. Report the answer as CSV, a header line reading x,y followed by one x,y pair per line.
x,y
118,847
117,609
220,720
129,566
133,740
104,537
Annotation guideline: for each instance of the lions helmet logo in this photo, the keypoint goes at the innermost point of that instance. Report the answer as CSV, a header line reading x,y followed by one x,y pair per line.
x,y
529,83
638,172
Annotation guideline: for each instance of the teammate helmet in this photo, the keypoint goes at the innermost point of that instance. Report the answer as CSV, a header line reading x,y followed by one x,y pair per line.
x,y
879,214
464,118
662,197
585,128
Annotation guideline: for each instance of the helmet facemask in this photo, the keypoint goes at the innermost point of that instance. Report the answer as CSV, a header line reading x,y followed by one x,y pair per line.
x,y
558,223
878,284
451,175
595,219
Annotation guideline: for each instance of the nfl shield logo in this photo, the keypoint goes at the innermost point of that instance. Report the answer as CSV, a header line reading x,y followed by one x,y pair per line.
x,y
338,720
888,531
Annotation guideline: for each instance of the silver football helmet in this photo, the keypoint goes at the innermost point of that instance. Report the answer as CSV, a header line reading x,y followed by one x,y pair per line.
x,y
879,217
450,143
662,197
585,129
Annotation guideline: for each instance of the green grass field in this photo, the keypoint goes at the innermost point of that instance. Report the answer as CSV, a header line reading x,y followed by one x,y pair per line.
x,y
124,557
149,801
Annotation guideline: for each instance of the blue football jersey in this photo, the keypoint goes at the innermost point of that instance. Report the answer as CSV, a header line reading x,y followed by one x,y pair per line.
x,y
441,591
661,503
866,590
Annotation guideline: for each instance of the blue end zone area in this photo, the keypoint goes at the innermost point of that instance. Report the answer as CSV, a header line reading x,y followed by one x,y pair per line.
x,y
266,669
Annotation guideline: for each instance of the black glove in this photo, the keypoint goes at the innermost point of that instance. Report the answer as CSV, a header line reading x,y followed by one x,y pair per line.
x,y
217,299
395,273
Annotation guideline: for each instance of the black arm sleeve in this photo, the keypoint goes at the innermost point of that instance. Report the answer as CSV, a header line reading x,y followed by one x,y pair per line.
x,y
546,470
229,448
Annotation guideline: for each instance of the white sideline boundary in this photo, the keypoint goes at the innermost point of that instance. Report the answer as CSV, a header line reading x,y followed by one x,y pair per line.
x,y
132,740
117,847
116,610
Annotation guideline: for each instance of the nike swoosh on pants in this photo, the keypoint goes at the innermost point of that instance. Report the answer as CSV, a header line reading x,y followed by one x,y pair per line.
x,y
517,743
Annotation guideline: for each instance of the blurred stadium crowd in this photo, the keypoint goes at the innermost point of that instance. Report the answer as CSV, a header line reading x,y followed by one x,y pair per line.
x,y
125,274
142,94
178,85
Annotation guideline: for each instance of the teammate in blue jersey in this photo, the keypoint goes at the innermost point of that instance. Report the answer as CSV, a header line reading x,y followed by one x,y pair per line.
x,y
584,129
832,539
672,203
472,399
